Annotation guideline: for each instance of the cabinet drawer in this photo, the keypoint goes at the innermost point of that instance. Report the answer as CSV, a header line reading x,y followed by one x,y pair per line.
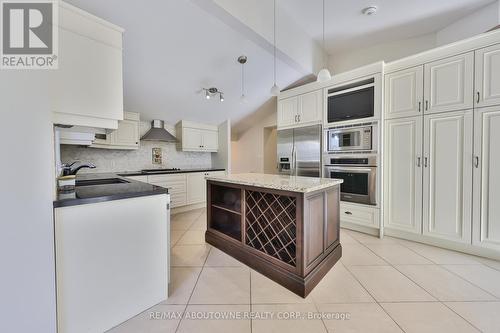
x,y
177,199
366,216
167,178
173,187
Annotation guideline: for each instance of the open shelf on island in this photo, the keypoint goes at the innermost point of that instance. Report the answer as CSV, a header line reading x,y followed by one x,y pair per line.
x,y
225,210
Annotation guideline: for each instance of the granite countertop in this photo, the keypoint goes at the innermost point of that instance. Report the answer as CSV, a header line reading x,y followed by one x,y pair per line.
x,y
279,182
166,172
107,192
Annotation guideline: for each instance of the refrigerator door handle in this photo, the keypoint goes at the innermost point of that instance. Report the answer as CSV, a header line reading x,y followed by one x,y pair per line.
x,y
292,164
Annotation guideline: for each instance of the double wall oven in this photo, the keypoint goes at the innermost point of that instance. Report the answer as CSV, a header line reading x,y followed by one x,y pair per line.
x,y
351,155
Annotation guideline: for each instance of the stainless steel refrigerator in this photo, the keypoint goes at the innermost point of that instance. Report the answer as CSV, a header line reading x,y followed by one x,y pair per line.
x,y
299,151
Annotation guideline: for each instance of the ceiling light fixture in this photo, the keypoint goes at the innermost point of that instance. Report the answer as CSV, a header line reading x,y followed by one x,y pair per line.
x,y
324,74
210,92
275,90
243,60
371,10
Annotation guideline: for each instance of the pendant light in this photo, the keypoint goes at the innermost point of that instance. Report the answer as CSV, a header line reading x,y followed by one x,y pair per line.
x,y
324,74
242,60
275,90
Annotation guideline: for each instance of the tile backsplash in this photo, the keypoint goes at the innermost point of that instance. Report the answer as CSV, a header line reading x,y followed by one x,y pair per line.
x,y
112,160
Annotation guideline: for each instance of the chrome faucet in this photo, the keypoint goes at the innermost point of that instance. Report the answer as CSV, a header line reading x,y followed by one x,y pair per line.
x,y
67,169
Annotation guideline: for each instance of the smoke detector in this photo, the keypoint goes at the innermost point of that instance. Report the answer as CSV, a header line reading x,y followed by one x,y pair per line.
x,y
371,10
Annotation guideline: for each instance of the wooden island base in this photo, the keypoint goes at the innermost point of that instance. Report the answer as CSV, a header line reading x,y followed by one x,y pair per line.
x,y
292,237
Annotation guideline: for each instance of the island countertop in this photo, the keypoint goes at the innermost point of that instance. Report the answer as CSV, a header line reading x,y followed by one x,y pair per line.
x,y
278,182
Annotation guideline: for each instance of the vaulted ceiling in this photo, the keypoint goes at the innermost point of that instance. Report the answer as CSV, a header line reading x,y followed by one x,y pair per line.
x,y
174,48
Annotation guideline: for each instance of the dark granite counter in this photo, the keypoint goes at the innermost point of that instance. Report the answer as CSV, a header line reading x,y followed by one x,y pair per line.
x,y
87,194
165,172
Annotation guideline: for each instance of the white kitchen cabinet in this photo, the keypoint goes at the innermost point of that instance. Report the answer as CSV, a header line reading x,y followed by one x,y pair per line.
x,y
111,261
310,108
403,174
126,136
196,188
301,110
447,176
287,111
448,84
487,79
176,185
486,224
359,214
197,137
87,88
404,93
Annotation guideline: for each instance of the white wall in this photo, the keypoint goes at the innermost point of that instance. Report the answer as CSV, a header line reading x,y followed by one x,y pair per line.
x,y
478,22
343,62
27,271
248,150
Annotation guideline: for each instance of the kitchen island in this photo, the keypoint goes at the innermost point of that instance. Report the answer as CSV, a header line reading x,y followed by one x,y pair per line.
x,y
285,227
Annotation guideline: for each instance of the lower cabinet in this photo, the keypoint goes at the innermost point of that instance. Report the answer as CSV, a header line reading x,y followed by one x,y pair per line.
x,y
359,215
428,168
486,226
447,208
184,188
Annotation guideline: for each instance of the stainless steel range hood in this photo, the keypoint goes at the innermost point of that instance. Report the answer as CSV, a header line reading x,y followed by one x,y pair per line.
x,y
158,133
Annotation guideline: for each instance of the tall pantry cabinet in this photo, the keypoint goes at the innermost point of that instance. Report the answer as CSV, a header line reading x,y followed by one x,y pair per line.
x,y
442,119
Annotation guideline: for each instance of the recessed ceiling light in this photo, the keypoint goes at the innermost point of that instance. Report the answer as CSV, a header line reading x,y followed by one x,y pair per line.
x,y
371,10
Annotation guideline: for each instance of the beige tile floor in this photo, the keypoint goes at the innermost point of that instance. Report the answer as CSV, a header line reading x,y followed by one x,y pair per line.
x,y
387,285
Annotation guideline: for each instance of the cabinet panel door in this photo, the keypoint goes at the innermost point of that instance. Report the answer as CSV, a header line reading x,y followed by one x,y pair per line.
x,y
487,178
404,93
449,84
192,138
210,140
127,133
89,79
287,111
403,174
310,107
196,187
487,76
447,176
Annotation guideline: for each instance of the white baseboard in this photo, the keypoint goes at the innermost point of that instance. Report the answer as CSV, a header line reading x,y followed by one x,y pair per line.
x,y
446,244
187,208
360,228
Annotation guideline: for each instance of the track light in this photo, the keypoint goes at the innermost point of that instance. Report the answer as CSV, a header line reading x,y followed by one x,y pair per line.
x,y
210,92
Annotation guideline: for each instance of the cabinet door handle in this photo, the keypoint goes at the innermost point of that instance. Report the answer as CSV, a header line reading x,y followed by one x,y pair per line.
x,y
348,213
425,162
295,118
298,117
419,106
426,105
476,161
478,97
418,161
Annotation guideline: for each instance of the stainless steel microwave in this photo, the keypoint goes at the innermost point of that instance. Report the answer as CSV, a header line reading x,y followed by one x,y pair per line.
x,y
350,139
352,101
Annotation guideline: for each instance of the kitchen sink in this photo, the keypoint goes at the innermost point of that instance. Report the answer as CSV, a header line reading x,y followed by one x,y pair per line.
x,y
106,181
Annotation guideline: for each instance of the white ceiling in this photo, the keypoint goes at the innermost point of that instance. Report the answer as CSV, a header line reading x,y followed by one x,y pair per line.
x,y
347,27
173,48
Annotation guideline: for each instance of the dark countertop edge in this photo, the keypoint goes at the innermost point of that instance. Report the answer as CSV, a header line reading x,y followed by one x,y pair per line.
x,y
139,173
78,201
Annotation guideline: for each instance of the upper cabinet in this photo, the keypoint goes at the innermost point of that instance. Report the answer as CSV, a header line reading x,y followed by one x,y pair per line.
x,y
126,136
302,110
197,137
404,93
488,76
448,84
88,86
